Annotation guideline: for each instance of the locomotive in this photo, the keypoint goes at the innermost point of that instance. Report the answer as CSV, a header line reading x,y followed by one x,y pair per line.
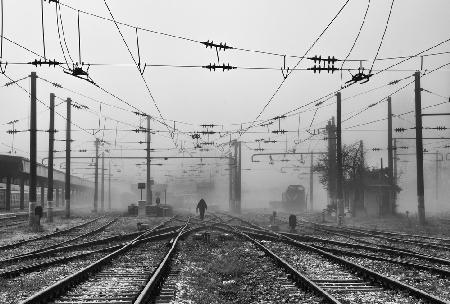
x,y
292,200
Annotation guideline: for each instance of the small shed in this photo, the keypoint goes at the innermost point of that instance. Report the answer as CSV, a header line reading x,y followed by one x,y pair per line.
x,y
379,194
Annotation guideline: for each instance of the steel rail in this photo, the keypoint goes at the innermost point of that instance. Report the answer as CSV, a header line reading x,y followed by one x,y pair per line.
x,y
49,235
387,232
151,289
58,288
8,274
381,247
265,236
390,239
89,244
46,249
371,275
440,271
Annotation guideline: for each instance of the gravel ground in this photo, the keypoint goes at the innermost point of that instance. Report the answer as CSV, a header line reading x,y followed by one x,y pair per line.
x,y
420,279
15,234
42,243
382,254
232,271
118,278
18,289
317,267
374,241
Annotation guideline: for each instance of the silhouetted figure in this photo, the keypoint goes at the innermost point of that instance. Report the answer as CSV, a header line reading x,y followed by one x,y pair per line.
x,y
201,206
158,201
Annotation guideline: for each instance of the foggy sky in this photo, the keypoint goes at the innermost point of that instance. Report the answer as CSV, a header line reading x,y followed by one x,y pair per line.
x,y
231,98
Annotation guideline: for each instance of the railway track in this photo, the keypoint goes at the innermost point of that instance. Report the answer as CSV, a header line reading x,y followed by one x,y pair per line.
x,y
439,243
439,256
145,270
55,240
42,259
45,236
350,276
116,278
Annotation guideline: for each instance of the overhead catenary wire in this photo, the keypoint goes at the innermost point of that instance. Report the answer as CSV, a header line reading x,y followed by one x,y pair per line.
x,y
138,68
296,65
43,28
40,101
382,37
332,94
193,40
357,36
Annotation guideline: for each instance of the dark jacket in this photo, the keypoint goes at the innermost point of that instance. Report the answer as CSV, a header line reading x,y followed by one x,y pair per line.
x,y
202,205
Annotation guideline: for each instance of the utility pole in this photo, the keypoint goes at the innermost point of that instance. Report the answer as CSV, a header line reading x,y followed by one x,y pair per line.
x,y
109,185
437,177
68,139
102,193
231,183
238,176
390,160
419,150
395,168
149,186
340,199
332,179
51,141
97,143
33,142
311,184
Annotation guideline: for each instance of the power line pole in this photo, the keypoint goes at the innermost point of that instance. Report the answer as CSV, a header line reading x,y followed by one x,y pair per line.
x,y
102,193
231,183
419,150
395,169
332,179
109,185
238,176
311,185
97,143
68,139
390,160
340,200
33,174
51,141
437,177
149,186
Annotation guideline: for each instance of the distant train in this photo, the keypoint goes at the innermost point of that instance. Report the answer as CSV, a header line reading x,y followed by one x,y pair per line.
x,y
15,199
293,200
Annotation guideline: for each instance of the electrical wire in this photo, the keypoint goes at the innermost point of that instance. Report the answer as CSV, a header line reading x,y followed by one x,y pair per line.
x,y
295,66
382,37
138,68
43,29
357,37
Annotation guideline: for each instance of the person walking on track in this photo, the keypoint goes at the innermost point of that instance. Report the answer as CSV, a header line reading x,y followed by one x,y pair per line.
x,y
201,206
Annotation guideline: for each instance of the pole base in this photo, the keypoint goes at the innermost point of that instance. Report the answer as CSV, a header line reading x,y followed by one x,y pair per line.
x,y
49,211
31,216
67,202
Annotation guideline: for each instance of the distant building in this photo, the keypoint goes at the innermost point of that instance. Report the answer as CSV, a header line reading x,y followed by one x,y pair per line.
x,y
371,196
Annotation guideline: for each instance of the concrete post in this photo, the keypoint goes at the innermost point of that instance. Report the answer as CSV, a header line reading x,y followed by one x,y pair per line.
x,y
33,151
8,194
22,193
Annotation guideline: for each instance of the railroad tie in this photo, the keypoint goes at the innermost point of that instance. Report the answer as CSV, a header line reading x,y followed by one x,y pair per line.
x,y
167,292
346,285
